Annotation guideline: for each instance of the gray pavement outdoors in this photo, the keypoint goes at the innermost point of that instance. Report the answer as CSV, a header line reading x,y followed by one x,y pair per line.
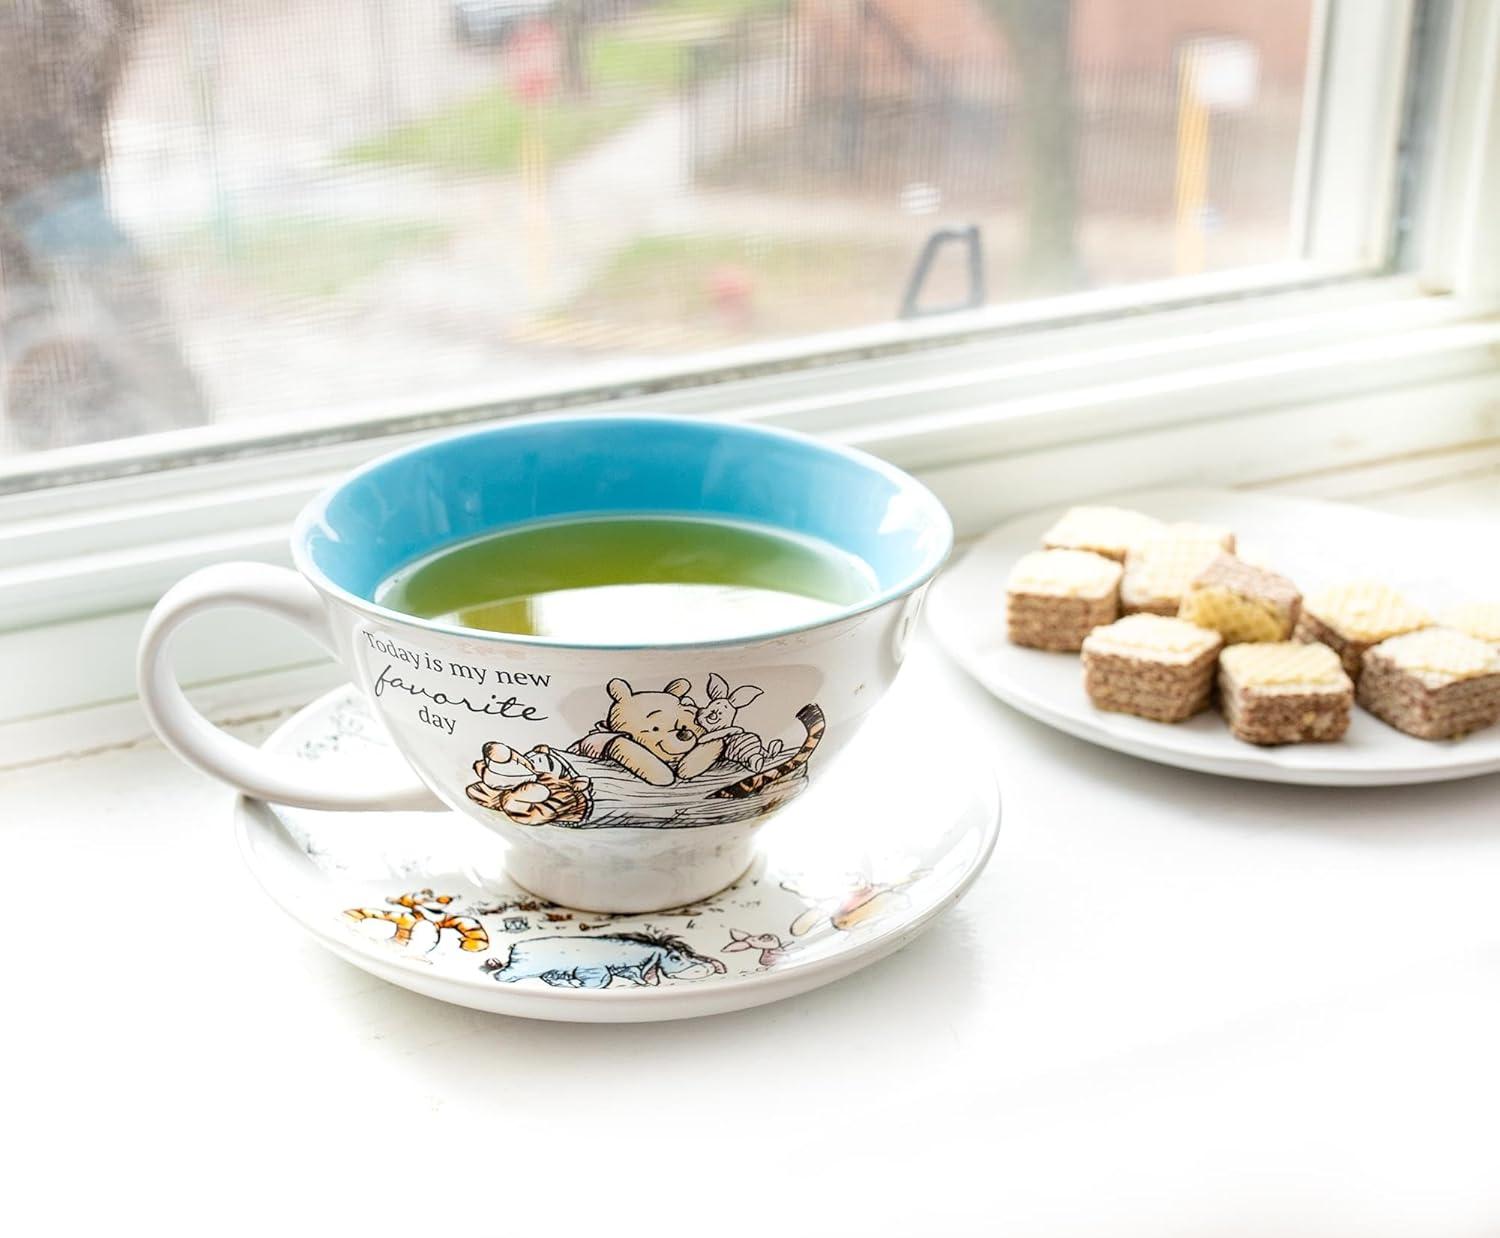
x,y
229,122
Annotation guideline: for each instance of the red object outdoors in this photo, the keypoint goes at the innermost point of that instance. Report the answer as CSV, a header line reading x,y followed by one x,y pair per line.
x,y
732,290
531,61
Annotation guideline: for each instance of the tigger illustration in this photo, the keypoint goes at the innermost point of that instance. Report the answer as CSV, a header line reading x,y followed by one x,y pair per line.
x,y
811,717
420,918
531,788
848,904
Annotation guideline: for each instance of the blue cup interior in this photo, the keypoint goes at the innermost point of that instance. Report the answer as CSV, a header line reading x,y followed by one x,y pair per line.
x,y
414,502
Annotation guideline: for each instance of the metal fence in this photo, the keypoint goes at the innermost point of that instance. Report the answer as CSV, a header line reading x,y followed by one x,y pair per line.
x,y
843,98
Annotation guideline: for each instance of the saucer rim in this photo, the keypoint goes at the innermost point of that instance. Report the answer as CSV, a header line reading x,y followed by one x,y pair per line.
x,y
984,787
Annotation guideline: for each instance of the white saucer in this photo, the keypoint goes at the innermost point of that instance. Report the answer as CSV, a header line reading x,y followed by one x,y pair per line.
x,y
848,874
1316,544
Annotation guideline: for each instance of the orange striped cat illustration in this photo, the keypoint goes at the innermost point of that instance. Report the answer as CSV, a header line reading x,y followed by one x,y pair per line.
x,y
420,919
846,905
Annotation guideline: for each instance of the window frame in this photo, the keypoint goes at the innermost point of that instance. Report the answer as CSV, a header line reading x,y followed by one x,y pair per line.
x,y
1000,410
1347,154
1347,192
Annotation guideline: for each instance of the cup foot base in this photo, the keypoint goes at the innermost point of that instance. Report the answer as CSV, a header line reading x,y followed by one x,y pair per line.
x,y
630,889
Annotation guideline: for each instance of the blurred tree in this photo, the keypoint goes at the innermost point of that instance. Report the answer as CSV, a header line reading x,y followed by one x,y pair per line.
x,y
1038,32
86,350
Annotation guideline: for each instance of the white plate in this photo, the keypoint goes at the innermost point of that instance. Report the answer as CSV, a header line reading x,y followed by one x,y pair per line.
x,y
1314,543
852,871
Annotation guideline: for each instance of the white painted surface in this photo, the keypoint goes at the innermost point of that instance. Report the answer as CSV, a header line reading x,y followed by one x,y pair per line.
x,y
1210,395
1350,182
1457,249
1173,1005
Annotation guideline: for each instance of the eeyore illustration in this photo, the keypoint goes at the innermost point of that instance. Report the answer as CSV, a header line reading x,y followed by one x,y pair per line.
x,y
595,962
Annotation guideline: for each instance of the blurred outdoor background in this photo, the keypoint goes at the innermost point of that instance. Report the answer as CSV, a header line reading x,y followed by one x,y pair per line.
x,y
216,209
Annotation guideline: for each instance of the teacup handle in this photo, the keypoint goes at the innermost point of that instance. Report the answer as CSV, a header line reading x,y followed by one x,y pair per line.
x,y
264,775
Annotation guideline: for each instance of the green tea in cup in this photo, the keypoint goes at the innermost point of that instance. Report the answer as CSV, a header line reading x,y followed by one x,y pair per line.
x,y
631,579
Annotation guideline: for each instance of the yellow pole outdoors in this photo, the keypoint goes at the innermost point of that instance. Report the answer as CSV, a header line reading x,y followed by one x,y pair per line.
x,y
1192,164
534,189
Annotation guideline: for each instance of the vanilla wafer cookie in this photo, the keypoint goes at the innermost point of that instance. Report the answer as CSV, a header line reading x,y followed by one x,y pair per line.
x,y
1054,598
1194,531
1108,531
1350,618
1284,692
1160,570
1434,683
1481,620
1242,602
1151,666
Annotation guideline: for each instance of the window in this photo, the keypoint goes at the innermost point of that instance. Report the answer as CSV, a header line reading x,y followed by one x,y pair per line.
x,y
245,221
1029,249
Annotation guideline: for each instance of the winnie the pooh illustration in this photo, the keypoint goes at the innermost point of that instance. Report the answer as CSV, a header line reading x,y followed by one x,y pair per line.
x,y
654,735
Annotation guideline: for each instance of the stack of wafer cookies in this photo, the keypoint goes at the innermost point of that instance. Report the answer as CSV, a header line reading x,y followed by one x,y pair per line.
x,y
1196,617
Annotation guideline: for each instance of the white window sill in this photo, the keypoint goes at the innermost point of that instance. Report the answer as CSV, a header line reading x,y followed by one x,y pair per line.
x,y
1455,483
1303,384
1105,1007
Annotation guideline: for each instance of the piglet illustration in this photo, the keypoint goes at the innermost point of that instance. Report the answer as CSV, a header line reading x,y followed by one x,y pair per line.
x,y
772,948
722,706
717,718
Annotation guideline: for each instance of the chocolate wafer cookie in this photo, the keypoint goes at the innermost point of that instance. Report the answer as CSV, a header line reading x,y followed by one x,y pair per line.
x,y
1481,620
1284,692
1242,602
1159,572
1351,618
1151,666
1055,598
1434,683
1108,531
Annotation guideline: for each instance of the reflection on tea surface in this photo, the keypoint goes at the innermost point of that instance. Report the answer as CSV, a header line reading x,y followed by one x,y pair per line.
x,y
631,580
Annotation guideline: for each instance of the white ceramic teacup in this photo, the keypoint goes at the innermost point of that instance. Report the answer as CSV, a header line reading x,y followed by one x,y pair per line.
x,y
591,759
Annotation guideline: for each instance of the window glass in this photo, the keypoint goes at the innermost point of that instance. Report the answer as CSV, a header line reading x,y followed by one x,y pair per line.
x,y
217,210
